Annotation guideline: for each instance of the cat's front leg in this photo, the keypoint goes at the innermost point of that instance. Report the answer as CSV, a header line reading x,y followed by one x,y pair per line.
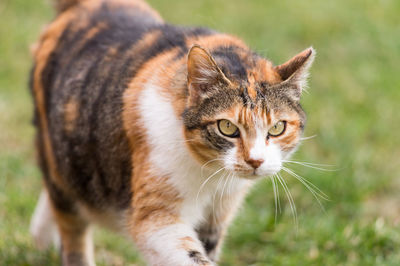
x,y
211,236
169,244
157,227
212,231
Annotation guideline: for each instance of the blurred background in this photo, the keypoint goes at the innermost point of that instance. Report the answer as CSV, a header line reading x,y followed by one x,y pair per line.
x,y
353,108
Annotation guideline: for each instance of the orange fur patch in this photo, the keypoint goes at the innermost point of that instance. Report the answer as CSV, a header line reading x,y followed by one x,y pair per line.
x,y
187,243
197,148
73,230
159,201
48,42
266,72
70,114
251,89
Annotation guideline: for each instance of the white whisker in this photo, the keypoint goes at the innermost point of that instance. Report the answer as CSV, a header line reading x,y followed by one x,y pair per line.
x,y
181,141
204,183
275,197
315,191
309,137
232,181
210,161
315,188
278,195
223,189
313,165
290,199
215,194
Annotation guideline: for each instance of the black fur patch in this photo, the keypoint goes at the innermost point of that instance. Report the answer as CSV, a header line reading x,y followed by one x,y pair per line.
x,y
216,141
209,245
231,64
197,257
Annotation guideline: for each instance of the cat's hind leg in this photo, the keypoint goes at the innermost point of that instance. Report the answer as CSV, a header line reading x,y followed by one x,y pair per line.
x,y
76,238
43,228
53,221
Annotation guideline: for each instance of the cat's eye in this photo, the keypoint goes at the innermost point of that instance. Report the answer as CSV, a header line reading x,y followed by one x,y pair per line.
x,y
227,128
277,129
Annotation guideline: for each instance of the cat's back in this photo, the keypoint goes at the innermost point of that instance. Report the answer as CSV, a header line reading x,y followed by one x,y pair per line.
x,y
82,64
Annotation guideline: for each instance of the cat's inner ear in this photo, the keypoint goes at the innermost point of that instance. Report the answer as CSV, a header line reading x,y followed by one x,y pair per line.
x,y
203,73
295,71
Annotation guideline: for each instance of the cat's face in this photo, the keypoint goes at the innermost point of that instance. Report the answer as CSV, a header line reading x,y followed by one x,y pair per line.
x,y
245,122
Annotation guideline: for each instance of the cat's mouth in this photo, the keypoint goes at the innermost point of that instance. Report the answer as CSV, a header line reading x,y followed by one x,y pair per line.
x,y
249,173
256,173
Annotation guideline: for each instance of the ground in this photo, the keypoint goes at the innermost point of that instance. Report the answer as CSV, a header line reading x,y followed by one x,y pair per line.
x,y
352,105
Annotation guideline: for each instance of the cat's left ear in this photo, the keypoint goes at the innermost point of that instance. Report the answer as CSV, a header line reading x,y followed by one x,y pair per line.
x,y
296,70
203,74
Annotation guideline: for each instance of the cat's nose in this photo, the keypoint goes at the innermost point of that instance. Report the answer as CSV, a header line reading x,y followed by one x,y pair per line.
x,y
254,163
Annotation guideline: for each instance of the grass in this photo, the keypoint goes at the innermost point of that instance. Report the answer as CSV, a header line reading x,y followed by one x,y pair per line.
x,y
352,104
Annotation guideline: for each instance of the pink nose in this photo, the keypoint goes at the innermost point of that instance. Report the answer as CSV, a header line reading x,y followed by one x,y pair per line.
x,y
254,163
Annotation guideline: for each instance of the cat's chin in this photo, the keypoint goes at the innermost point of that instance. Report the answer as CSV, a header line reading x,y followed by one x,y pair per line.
x,y
254,175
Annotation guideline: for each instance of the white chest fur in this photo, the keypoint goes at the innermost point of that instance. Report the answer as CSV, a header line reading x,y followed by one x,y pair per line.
x,y
171,158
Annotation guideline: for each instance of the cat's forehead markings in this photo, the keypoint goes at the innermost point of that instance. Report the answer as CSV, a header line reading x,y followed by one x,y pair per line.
x,y
248,116
269,118
251,88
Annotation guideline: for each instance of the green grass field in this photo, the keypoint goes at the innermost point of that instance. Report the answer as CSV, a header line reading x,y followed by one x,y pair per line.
x,y
353,109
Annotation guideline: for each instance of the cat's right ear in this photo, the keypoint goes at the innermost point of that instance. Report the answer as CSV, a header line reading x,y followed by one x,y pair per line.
x,y
203,74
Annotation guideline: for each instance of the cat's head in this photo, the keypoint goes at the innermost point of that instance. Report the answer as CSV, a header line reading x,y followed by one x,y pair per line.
x,y
242,113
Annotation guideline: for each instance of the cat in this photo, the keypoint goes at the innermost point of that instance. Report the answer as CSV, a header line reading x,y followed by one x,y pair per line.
x,y
142,126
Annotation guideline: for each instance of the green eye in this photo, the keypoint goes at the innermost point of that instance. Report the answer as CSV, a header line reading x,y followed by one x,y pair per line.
x,y
227,128
277,129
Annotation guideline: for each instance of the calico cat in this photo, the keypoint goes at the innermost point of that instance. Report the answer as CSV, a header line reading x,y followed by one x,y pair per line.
x,y
142,126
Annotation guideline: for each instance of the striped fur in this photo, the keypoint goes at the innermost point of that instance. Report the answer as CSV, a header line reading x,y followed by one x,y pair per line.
x,y
126,110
